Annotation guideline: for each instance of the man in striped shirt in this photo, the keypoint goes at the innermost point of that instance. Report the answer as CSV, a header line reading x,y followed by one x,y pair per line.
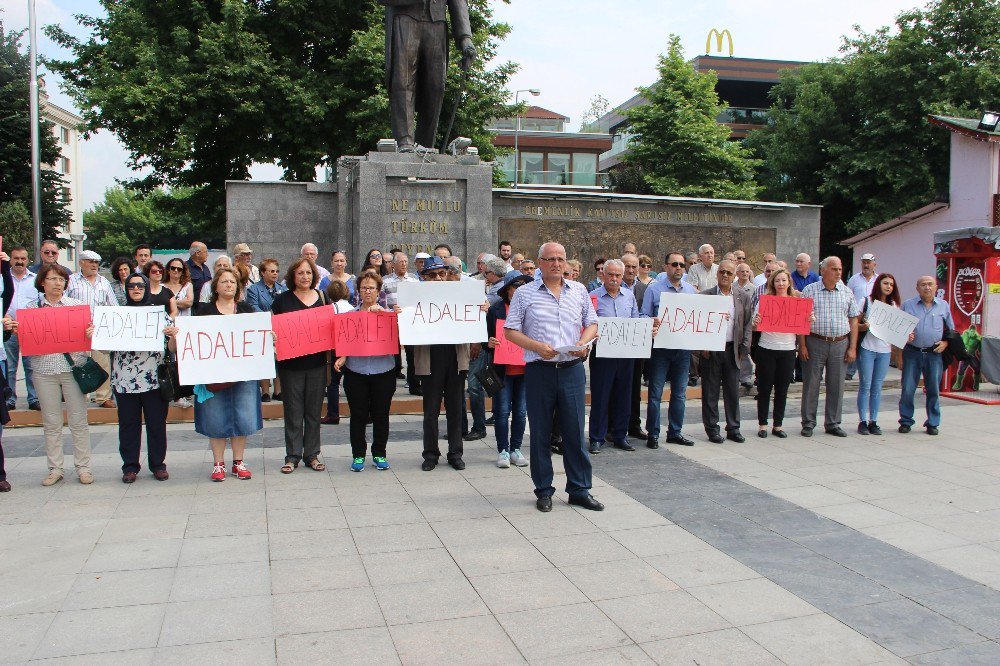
x,y
94,289
546,315
830,345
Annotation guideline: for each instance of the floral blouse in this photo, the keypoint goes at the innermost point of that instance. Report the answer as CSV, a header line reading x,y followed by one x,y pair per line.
x,y
134,371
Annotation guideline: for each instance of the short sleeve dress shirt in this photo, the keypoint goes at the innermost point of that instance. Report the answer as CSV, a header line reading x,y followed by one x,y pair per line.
x,y
558,322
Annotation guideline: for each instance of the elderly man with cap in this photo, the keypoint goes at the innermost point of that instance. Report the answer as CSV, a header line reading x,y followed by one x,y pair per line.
x,y
94,289
242,254
418,263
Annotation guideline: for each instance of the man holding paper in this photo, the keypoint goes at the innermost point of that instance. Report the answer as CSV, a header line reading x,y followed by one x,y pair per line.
x,y
922,355
611,378
723,367
663,363
545,319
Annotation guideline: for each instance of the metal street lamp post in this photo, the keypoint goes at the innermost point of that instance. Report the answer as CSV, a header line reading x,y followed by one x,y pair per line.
x,y
36,166
517,130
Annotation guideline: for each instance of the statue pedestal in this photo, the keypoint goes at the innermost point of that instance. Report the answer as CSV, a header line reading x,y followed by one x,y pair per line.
x,y
415,202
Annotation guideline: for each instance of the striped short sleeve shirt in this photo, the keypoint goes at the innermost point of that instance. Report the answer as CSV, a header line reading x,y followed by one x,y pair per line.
x,y
558,322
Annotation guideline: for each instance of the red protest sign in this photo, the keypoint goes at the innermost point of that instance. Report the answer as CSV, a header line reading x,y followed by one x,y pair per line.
x,y
303,332
53,330
506,353
784,314
367,334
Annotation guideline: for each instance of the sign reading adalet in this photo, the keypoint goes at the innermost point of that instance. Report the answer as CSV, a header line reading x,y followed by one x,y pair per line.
x,y
890,324
624,337
441,313
118,328
225,348
693,321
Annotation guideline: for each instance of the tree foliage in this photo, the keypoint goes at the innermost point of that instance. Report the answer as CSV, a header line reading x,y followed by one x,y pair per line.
x,y
127,217
599,105
198,90
677,143
853,134
15,145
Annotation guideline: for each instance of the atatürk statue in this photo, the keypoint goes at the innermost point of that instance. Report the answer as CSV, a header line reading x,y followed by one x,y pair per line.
x,y
416,61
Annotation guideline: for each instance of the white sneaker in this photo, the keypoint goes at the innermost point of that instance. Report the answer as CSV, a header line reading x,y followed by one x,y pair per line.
x,y
518,458
183,403
503,460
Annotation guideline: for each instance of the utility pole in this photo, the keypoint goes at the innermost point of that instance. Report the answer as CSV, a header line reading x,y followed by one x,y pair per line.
x,y
36,165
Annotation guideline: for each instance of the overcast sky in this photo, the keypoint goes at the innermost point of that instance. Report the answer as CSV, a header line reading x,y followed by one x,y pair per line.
x,y
570,49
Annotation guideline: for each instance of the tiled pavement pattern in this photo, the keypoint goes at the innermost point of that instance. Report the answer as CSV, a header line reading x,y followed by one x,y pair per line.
x,y
689,564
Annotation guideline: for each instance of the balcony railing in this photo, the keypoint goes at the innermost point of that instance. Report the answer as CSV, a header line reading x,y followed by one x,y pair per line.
x,y
742,116
580,178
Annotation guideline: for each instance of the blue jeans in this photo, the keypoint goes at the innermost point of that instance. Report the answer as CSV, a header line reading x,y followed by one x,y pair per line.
x,y
667,364
13,348
477,394
510,402
872,367
915,364
558,392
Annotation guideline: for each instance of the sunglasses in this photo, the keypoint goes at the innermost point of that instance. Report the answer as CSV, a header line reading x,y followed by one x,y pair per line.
x,y
646,265
136,285
155,271
722,272
677,264
179,269
50,252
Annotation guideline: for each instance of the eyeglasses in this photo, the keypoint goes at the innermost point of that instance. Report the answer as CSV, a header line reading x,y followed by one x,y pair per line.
x,y
368,288
374,255
136,285
155,271
677,264
55,278
722,272
553,260
179,269
50,251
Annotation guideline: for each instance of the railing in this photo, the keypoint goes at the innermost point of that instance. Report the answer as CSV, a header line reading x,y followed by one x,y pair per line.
x,y
741,116
580,178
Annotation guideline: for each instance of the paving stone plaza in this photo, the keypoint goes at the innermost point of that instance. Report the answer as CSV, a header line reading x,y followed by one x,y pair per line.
x,y
865,550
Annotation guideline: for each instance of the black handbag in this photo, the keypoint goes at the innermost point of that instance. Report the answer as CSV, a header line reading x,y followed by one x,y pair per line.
x,y
169,379
489,379
89,376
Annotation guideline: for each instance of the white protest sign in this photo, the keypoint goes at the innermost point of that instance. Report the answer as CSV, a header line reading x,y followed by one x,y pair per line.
x,y
890,324
129,328
225,348
693,321
440,313
624,337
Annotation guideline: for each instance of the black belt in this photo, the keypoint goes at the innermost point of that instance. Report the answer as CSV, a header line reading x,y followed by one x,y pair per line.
x,y
558,364
922,350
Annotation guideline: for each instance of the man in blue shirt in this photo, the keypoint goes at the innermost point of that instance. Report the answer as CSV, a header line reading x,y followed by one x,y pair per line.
x,y
922,355
802,277
663,363
611,378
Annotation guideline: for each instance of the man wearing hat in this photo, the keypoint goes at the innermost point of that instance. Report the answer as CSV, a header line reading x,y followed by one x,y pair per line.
x,y
242,254
861,285
94,289
418,263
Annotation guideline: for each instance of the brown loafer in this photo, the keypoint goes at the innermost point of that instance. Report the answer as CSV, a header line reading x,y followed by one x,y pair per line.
x,y
4,486
129,477
161,475
107,404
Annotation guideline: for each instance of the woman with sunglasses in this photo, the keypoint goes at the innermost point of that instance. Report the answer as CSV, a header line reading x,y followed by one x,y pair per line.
x,y
374,262
158,293
137,392
178,281
121,268
54,382
646,274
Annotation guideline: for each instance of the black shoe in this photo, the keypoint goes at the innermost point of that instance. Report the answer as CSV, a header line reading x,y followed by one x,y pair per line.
x,y
266,397
624,445
746,385
35,407
680,439
904,429
490,421
638,433
428,464
595,447
11,406
762,433
932,430
849,377
863,428
556,445
715,439
779,433
873,428
543,504
473,435
277,396
692,381
457,463
836,431
736,437
416,391
651,443
807,432
609,439
586,502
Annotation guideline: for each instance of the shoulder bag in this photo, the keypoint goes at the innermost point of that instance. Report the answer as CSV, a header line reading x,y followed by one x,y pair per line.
x,y
89,376
489,378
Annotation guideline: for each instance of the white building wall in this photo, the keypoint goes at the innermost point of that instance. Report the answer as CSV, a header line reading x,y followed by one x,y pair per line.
x,y
64,127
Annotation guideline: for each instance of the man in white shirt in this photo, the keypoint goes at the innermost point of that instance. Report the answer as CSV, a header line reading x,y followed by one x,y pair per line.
x,y
769,257
310,251
24,291
94,289
861,285
390,289
704,274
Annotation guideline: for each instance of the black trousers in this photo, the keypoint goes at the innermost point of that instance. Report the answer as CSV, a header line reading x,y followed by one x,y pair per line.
x,y
369,397
444,382
411,376
774,371
302,393
635,419
132,408
720,370
3,472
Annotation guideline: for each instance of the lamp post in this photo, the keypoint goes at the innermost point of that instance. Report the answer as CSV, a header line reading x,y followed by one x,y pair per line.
x,y
517,130
77,248
36,166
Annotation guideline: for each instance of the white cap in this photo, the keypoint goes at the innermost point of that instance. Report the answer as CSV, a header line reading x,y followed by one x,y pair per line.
x,y
868,256
422,255
90,255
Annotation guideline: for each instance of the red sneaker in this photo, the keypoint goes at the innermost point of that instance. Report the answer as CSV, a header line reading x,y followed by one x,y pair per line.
x,y
240,470
219,471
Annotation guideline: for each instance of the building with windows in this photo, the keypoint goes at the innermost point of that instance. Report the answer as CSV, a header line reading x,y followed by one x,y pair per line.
x,y
65,128
744,85
547,155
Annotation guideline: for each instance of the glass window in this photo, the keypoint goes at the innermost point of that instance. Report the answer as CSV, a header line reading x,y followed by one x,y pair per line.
x,y
558,171
506,163
532,168
584,169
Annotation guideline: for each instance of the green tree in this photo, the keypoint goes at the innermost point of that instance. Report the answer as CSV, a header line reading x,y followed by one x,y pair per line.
x,y
15,144
16,225
853,135
678,145
127,217
197,91
599,105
